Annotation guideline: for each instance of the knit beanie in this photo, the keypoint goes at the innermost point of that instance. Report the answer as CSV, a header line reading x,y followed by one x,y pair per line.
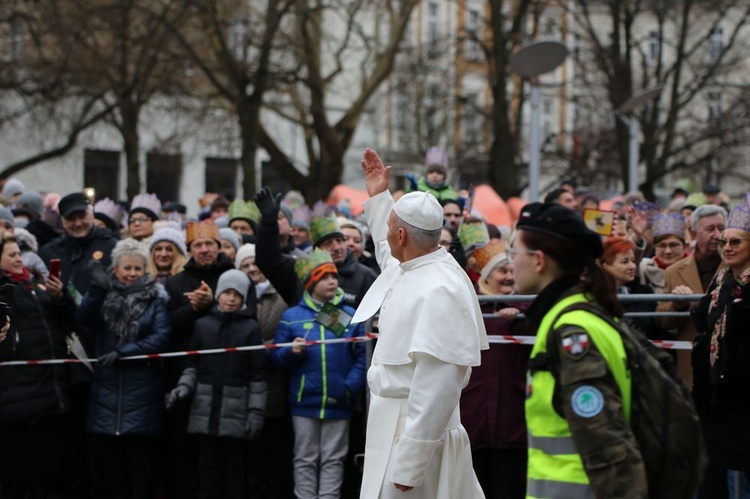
x,y
29,204
13,187
172,234
7,216
227,234
233,279
246,251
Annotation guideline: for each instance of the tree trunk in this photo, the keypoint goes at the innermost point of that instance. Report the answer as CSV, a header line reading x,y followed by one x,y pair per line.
x,y
131,146
249,115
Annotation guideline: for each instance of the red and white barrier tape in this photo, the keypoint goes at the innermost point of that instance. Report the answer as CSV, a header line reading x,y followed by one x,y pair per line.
x,y
505,339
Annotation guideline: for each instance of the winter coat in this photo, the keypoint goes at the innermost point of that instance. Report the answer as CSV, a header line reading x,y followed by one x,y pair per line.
x,y
228,387
128,397
492,404
38,328
646,325
75,254
325,379
441,193
355,279
270,308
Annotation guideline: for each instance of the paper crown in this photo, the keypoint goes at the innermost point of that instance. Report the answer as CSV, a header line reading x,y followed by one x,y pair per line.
x,y
670,224
293,200
301,217
739,217
241,209
487,253
322,228
200,230
436,156
304,266
111,210
148,204
650,209
696,199
473,235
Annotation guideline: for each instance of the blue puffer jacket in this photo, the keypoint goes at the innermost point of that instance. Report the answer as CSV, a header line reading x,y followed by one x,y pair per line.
x,y
127,398
325,378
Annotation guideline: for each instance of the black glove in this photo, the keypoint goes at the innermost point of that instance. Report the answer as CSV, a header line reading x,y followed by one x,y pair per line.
x,y
180,392
99,275
457,250
268,204
108,359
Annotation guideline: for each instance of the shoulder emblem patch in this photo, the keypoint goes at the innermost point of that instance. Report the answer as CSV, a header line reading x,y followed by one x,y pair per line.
x,y
576,344
97,255
587,401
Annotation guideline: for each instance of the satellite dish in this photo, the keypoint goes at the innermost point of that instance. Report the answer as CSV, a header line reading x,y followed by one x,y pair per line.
x,y
640,99
537,58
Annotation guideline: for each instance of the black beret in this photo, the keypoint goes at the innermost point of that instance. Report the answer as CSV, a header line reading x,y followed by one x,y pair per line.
x,y
711,189
142,209
173,206
559,222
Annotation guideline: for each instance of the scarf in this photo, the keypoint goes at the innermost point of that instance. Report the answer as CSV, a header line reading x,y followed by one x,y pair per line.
x,y
727,290
124,305
23,278
663,265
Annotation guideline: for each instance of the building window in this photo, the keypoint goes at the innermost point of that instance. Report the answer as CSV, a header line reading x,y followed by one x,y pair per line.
x,y
221,176
433,33
101,170
714,105
472,47
15,42
654,48
715,45
164,175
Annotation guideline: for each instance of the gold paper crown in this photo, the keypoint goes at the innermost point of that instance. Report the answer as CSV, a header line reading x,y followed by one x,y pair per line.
x,y
322,227
199,230
488,252
473,235
241,209
672,224
304,266
739,217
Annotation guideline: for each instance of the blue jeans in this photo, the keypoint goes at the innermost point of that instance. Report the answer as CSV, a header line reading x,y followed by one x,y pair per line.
x,y
735,479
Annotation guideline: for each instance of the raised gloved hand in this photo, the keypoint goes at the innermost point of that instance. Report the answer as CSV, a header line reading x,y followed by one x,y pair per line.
x,y
180,392
412,181
268,204
99,275
108,359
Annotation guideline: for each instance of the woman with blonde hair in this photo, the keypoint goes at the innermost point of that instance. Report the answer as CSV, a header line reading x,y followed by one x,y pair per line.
x,y
167,253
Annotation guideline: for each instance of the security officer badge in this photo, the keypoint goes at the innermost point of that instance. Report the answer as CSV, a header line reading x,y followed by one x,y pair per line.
x,y
575,343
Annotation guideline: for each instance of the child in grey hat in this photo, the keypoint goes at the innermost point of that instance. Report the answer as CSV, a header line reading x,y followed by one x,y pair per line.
x,y
241,399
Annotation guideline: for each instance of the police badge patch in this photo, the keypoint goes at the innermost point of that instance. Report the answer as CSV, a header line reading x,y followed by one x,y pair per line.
x,y
576,344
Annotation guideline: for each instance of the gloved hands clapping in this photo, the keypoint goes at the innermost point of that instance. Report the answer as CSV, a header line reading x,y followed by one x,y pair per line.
x,y
268,204
180,392
99,275
108,359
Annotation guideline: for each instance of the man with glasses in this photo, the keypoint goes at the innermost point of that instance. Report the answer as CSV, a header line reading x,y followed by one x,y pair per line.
x,y
692,275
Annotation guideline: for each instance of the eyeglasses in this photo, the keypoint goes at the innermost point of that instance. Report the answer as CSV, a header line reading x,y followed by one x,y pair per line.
x,y
733,242
452,215
672,246
138,220
514,252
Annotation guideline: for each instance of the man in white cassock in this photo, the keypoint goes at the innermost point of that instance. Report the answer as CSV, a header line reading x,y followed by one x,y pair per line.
x,y
431,332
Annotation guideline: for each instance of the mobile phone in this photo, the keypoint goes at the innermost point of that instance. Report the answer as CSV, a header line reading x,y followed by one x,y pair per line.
x,y
54,268
4,313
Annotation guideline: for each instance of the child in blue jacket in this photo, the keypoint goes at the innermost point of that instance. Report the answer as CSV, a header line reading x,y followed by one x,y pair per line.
x,y
324,378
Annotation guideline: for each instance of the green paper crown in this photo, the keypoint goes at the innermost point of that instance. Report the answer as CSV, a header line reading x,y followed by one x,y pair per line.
x,y
473,235
241,209
696,199
322,227
304,266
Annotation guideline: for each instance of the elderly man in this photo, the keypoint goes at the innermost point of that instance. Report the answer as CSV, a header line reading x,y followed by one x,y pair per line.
x,y
431,333
692,275
81,243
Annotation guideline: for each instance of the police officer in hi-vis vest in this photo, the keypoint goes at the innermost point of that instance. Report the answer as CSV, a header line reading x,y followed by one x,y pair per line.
x,y
578,388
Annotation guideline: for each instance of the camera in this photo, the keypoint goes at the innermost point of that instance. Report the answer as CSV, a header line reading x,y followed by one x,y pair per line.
x,y
6,296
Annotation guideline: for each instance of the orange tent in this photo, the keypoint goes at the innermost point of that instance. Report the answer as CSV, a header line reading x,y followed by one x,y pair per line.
x,y
492,206
355,197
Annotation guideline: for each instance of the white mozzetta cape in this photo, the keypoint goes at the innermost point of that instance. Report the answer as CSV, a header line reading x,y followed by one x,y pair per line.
x,y
431,332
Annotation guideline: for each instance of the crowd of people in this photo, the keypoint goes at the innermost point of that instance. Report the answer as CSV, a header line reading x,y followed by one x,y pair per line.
x,y
293,285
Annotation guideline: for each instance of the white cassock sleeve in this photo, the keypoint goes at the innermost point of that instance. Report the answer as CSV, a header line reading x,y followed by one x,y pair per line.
x,y
434,394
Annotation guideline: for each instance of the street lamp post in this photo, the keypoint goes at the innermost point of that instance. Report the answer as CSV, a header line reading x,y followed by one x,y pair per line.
x,y
634,130
529,62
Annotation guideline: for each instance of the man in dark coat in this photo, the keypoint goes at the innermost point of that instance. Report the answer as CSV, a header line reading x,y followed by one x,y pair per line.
x,y
190,298
81,243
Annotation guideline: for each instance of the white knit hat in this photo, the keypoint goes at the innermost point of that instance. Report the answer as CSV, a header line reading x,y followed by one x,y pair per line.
x,y
172,234
246,251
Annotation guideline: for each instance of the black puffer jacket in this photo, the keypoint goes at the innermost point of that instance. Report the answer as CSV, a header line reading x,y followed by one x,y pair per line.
x,y
226,387
355,279
37,331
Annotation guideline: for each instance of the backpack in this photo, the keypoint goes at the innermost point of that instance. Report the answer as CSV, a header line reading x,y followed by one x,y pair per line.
x,y
663,418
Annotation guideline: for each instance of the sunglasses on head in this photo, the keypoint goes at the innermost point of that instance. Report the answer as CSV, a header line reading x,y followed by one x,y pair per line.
x,y
733,242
